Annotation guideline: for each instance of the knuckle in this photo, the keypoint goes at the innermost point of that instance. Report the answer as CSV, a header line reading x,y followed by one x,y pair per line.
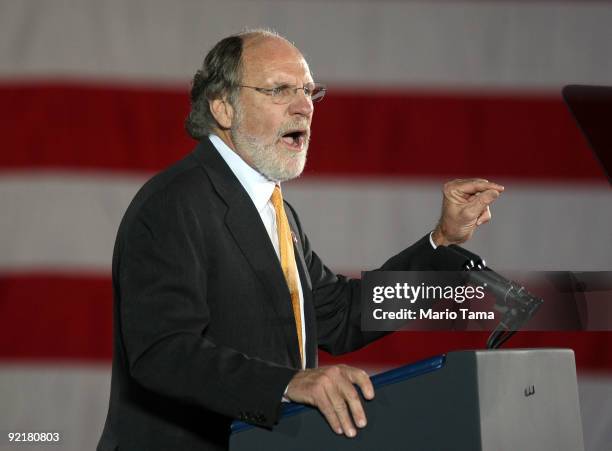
x,y
335,369
318,395
332,373
339,407
321,389
325,380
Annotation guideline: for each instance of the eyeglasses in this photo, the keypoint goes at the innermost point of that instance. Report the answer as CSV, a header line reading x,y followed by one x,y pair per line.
x,y
286,93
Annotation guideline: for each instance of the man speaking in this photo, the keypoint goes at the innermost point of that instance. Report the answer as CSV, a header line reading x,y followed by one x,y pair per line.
x,y
220,301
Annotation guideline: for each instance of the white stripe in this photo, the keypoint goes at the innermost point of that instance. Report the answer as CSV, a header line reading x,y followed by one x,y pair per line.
x,y
61,221
68,399
595,394
73,400
536,44
545,227
68,222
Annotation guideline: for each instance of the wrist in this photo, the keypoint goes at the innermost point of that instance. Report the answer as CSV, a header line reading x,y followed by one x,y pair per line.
x,y
439,238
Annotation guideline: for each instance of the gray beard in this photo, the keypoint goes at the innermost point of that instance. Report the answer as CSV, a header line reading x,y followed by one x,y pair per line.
x,y
277,165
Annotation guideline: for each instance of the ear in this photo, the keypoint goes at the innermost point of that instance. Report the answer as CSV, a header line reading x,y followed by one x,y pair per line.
x,y
223,112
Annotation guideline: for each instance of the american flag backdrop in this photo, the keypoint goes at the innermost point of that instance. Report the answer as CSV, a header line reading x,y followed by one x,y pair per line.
x,y
93,95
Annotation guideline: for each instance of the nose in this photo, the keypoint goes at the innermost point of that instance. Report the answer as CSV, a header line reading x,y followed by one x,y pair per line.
x,y
301,104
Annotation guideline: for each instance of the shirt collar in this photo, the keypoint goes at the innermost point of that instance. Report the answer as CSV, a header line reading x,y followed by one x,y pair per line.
x,y
258,187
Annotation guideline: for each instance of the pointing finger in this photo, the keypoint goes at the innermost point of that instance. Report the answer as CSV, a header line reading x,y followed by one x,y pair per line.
x,y
472,186
479,204
486,198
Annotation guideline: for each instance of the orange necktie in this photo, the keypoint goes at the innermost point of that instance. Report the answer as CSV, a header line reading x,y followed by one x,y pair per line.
x,y
287,258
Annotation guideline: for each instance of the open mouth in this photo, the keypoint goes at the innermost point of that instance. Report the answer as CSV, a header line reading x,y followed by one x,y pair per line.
x,y
294,139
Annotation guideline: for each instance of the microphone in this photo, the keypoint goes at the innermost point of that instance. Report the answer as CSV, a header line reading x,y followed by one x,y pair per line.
x,y
513,300
502,288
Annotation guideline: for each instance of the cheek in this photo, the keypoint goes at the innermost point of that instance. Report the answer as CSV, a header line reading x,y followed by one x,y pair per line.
x,y
263,124
262,127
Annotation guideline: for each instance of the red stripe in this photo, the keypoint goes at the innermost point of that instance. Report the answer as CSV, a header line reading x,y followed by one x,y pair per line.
x,y
51,316
593,350
397,133
64,317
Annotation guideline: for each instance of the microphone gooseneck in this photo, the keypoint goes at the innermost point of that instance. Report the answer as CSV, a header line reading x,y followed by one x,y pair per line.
x,y
512,299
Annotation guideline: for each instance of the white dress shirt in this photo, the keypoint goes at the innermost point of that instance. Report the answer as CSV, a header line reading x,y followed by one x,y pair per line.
x,y
259,189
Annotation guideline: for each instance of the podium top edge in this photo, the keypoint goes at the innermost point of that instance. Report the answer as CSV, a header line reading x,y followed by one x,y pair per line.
x,y
392,376
410,371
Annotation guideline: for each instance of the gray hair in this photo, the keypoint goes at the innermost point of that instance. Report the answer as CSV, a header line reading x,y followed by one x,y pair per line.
x,y
219,77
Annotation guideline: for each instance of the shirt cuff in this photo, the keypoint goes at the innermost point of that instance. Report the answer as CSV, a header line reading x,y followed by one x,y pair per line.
x,y
284,398
432,241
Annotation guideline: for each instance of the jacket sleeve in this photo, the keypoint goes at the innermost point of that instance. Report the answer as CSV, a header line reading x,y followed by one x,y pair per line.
x,y
337,298
163,313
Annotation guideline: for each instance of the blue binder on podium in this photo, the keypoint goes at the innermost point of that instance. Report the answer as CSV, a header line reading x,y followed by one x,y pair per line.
x,y
492,400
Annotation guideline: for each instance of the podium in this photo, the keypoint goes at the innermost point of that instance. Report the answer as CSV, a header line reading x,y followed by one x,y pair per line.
x,y
468,400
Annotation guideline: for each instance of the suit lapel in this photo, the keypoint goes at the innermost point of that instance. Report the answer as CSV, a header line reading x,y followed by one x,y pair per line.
x,y
244,223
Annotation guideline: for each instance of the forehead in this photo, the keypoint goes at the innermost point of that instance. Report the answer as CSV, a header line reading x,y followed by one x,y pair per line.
x,y
270,59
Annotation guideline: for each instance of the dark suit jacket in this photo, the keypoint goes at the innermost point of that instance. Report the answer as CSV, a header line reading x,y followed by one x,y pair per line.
x,y
203,327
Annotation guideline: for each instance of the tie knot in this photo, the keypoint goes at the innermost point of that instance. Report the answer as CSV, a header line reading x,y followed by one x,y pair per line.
x,y
277,197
